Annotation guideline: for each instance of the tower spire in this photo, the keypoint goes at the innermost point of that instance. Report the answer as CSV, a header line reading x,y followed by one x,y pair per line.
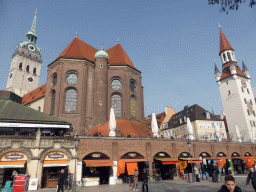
x,y
33,27
216,69
224,44
244,66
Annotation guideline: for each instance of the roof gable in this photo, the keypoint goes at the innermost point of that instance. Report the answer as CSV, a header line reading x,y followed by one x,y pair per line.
x,y
79,50
117,56
34,95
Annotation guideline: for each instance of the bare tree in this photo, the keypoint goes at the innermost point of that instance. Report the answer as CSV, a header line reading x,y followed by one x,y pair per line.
x,y
227,5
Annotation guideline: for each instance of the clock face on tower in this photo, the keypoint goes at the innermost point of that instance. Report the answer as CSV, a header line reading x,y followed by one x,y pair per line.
x,y
30,79
31,47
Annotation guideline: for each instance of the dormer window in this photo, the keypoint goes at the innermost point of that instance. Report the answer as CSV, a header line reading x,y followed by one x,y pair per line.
x,y
165,125
180,120
185,119
208,115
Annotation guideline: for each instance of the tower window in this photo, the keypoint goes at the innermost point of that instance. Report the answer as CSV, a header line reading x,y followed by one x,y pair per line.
x,y
248,91
227,82
245,101
54,80
133,107
254,123
242,89
229,92
116,104
132,86
52,103
34,70
72,78
224,57
39,108
248,112
27,69
254,113
251,102
20,66
251,123
70,103
229,57
101,66
116,84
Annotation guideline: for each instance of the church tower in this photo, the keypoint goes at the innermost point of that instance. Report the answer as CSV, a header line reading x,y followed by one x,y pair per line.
x,y
236,93
26,64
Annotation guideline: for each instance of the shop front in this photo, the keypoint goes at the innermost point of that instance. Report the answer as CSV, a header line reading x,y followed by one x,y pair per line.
x,y
249,160
190,162
97,169
128,163
52,165
238,163
164,167
12,162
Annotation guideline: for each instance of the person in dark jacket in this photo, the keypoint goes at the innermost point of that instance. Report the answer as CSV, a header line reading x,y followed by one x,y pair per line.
x,y
145,180
251,176
230,185
61,181
66,178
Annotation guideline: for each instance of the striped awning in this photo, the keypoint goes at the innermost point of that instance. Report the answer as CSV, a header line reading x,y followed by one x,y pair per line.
x,y
55,163
12,164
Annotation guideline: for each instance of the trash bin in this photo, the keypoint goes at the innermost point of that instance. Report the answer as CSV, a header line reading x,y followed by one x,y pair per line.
x,y
191,178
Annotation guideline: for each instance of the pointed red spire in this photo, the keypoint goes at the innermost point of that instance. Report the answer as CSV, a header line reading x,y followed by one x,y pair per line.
x,y
224,44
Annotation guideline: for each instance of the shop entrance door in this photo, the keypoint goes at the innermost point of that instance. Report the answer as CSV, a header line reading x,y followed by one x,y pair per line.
x,y
104,174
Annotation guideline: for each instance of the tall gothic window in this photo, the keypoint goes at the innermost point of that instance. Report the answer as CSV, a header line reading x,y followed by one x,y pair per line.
x,y
20,66
27,69
116,104
132,86
70,103
54,80
116,84
34,70
133,107
52,103
72,78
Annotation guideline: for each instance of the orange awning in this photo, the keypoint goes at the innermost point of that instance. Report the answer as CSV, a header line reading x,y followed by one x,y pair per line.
x,y
134,160
170,162
55,163
12,164
120,167
131,167
99,163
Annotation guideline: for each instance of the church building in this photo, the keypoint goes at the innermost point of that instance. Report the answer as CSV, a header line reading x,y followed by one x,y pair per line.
x,y
236,94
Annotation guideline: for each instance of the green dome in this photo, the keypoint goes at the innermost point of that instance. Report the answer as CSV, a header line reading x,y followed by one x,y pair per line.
x,y
101,53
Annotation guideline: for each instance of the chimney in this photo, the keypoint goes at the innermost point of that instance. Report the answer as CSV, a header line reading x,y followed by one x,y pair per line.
x,y
166,110
186,107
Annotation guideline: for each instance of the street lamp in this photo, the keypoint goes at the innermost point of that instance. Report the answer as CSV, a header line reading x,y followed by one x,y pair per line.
x,y
191,176
76,139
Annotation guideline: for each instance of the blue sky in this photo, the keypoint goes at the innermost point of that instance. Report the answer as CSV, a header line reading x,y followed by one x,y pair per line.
x,y
172,42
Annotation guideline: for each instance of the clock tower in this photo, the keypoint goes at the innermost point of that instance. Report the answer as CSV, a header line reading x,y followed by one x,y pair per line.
x,y
26,64
236,93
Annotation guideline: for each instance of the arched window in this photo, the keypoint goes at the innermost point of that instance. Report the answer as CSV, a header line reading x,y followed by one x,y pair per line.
x,y
229,56
116,104
224,57
27,69
72,79
116,84
52,103
20,66
70,103
54,80
34,70
132,86
133,107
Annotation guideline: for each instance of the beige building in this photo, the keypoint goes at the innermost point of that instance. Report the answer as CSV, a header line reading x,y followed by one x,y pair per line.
x,y
203,122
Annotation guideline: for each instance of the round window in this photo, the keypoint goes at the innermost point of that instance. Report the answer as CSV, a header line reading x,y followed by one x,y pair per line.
x,y
132,86
72,79
116,84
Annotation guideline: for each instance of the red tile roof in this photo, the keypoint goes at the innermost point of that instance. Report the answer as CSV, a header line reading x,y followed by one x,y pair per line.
x,y
117,56
224,44
34,95
159,117
80,50
228,73
135,129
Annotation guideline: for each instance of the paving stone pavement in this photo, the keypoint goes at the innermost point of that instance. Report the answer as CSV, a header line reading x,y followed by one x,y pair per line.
x,y
165,186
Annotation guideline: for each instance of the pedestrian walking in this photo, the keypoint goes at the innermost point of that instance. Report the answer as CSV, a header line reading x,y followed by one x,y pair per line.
x,y
196,169
61,181
145,180
204,173
251,176
136,174
219,173
230,185
215,173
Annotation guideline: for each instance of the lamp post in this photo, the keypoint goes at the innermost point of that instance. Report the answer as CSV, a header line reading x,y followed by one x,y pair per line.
x,y
76,139
191,176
